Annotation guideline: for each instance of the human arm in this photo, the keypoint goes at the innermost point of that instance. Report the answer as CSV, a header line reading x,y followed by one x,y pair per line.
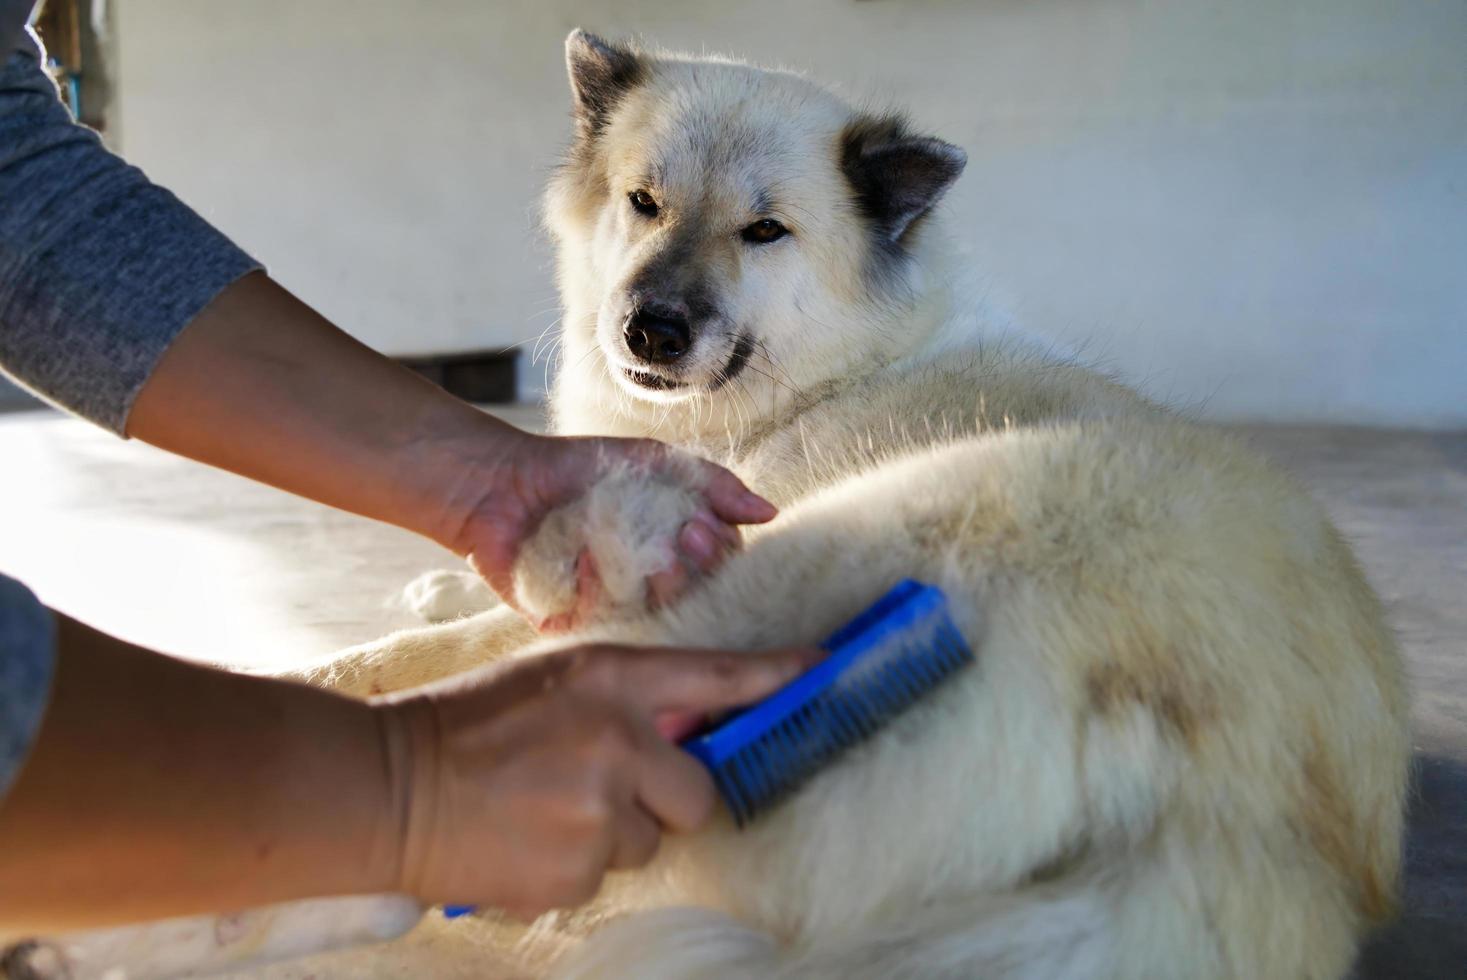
x,y
160,788
262,385
122,305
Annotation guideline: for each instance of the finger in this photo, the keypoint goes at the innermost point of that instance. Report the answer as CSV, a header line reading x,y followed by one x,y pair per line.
x,y
728,533
588,597
637,837
678,725
493,565
673,786
664,587
562,622
702,681
704,548
589,588
731,500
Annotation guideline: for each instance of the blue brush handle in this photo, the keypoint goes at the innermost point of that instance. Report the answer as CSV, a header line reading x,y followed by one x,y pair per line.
x,y
907,603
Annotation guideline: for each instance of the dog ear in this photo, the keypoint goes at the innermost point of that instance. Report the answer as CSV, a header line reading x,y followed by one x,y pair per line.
x,y
600,74
897,177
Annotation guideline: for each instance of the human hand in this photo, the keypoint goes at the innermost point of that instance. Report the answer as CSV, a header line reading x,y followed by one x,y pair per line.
x,y
261,385
521,786
538,474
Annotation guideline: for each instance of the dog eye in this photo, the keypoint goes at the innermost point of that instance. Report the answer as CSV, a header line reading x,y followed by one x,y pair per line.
x,y
764,232
644,204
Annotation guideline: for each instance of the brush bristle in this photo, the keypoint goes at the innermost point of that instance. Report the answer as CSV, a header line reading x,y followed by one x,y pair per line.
x,y
898,669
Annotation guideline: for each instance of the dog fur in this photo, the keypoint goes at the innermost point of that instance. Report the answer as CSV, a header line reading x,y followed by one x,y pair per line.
x,y
1182,752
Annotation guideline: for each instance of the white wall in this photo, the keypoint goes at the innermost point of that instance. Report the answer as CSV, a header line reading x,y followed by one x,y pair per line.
x,y
1259,206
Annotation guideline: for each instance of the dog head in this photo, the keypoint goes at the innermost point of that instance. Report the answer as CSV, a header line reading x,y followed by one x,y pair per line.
x,y
730,236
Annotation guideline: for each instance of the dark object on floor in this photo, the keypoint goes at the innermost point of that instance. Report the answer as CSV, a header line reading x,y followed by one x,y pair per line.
x,y
486,376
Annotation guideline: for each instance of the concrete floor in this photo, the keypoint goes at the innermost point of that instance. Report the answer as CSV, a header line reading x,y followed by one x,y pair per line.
x,y
201,563
195,561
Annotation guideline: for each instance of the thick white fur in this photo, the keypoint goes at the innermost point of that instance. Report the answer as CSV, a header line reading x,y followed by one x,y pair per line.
x,y
1182,752
1180,756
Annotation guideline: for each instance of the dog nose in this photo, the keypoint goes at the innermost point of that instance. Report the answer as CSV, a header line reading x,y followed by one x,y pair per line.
x,y
658,336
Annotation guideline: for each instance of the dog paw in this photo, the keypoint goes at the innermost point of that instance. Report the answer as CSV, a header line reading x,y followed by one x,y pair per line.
x,y
208,945
637,539
443,595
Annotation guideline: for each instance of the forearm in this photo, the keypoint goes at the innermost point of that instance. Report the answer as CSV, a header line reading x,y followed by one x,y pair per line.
x,y
262,385
121,304
160,788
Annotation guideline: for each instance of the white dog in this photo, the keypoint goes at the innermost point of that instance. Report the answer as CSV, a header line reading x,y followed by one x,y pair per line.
x,y
1182,752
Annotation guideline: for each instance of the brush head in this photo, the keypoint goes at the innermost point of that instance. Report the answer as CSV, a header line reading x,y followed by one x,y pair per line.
x,y
880,664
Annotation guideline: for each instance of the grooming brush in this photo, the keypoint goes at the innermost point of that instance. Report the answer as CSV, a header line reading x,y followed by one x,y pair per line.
x,y
880,663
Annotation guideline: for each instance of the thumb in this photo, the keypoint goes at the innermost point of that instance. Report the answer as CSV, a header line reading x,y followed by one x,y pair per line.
x,y
675,685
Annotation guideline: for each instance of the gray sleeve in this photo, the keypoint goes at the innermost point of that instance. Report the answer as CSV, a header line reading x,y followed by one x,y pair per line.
x,y
99,268
27,658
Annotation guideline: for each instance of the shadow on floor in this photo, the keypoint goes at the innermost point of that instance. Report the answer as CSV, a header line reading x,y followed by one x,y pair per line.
x,y
1429,941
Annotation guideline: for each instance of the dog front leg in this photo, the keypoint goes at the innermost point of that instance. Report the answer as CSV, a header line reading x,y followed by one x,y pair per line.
x,y
418,656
